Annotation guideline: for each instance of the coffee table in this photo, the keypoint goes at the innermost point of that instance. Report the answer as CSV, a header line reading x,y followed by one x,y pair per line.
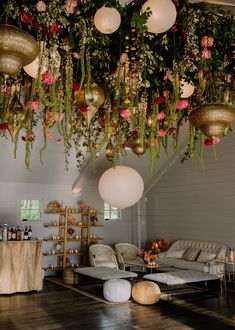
x,y
104,273
158,268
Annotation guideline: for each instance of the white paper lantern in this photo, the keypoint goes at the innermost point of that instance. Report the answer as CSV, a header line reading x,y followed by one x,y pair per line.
x,y
32,68
163,15
107,20
121,186
187,89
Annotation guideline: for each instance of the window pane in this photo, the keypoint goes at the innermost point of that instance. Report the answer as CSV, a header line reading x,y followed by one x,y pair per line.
x,y
30,209
111,212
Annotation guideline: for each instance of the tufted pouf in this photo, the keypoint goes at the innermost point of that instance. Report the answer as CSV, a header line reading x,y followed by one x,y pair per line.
x,y
117,290
146,292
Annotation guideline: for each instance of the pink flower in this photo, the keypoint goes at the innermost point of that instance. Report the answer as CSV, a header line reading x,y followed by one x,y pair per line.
x,y
33,105
49,135
5,89
54,116
48,78
161,115
206,53
30,137
161,132
41,6
160,100
207,41
216,139
125,113
70,6
60,140
182,104
169,75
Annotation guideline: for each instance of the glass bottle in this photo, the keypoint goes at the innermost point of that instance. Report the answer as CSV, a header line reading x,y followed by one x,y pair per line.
x,y
13,233
22,233
1,233
30,233
26,236
9,234
4,233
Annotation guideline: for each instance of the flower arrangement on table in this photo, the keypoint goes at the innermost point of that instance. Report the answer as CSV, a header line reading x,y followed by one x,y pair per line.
x,y
84,95
148,256
160,245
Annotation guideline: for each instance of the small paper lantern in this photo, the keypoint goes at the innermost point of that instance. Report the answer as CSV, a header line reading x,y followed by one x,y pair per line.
x,y
187,89
107,20
163,15
121,186
32,68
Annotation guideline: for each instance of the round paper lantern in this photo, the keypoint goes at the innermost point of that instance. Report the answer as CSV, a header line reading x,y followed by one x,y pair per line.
x,y
163,15
187,89
107,20
121,186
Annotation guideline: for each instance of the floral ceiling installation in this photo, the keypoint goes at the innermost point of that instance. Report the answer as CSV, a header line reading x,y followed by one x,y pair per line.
x,y
110,82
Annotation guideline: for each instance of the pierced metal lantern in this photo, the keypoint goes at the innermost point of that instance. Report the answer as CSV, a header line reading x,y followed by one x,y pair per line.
x,y
17,49
212,119
109,152
138,147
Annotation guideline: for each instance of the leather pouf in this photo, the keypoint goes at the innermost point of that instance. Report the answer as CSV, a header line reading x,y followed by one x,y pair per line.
x,y
117,290
146,292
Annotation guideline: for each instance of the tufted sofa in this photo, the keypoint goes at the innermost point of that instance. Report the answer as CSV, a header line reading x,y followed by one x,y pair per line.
x,y
205,256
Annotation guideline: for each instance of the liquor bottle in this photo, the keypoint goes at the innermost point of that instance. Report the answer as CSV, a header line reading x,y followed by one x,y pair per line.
x,y
13,233
18,233
1,233
22,233
30,233
26,236
9,234
4,233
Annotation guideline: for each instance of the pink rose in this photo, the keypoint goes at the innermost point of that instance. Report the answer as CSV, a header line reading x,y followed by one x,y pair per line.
x,y
207,41
182,104
206,53
34,104
48,78
125,113
216,139
41,6
161,132
70,6
161,115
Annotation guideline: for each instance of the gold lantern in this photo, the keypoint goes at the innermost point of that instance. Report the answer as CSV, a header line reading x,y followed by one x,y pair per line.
x,y
17,49
92,97
109,152
138,147
15,118
212,119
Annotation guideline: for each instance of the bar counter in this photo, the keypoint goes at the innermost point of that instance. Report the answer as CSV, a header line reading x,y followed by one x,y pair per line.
x,y
20,266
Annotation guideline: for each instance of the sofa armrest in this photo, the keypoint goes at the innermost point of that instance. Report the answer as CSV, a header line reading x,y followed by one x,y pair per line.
x,y
161,255
215,267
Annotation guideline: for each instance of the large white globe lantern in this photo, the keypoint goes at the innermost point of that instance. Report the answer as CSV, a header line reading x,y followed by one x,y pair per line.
x,y
187,89
163,15
107,20
121,186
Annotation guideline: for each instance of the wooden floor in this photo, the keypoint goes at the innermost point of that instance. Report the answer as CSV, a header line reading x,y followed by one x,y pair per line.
x,y
57,307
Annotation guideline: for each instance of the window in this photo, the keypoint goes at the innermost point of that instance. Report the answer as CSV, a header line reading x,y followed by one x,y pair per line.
x,y
111,213
30,209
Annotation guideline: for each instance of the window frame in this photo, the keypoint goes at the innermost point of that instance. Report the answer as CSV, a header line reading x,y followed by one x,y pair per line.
x,y
110,210
31,209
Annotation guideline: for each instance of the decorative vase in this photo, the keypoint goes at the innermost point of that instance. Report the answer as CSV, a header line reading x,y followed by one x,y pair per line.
x,y
17,49
212,119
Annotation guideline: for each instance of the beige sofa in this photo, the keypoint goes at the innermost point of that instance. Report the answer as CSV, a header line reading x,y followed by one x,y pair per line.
x,y
195,255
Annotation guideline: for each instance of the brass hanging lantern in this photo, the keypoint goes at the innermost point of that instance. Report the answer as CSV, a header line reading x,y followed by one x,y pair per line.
x,y
15,118
212,119
88,100
109,152
17,49
138,146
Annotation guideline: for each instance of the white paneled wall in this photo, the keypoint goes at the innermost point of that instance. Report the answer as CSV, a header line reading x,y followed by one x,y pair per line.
x,y
189,203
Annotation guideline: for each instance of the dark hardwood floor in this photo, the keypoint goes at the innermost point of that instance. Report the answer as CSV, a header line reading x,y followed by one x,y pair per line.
x,y
57,307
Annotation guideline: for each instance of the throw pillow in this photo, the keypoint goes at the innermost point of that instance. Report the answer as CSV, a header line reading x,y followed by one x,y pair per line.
x,y
191,253
206,256
175,254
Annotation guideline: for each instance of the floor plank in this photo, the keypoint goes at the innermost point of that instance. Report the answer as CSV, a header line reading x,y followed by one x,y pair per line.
x,y
57,307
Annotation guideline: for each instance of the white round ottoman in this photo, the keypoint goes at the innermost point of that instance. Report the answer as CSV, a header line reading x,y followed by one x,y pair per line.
x,y
117,290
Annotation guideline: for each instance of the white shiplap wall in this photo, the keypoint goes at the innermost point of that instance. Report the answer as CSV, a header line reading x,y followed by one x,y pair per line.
x,y
191,204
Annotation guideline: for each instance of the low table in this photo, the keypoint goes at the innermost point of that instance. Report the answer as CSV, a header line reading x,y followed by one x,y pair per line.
x,y
104,273
156,267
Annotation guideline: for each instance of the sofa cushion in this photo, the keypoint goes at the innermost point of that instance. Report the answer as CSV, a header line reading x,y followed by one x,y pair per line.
x,y
191,253
175,254
205,256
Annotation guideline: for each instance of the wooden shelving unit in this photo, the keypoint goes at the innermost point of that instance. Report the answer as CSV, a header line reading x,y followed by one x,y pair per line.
x,y
81,222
